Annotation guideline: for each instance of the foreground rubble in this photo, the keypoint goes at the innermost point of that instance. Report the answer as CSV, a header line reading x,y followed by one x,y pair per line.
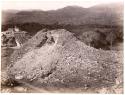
x,y
57,59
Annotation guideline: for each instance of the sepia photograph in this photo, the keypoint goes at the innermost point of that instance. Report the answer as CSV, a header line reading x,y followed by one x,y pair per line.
x,y
62,46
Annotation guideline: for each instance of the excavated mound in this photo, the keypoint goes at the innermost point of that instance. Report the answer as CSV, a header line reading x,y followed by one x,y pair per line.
x,y
57,59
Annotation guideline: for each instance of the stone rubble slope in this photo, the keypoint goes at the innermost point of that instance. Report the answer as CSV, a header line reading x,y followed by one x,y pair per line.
x,y
64,61
28,46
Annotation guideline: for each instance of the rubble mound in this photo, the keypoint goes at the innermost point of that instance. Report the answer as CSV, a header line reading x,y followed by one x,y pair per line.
x,y
58,59
30,45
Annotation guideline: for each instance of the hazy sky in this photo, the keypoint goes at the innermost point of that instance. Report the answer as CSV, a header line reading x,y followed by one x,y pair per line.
x,y
50,4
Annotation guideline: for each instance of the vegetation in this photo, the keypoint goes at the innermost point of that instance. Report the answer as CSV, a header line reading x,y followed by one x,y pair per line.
x,y
102,36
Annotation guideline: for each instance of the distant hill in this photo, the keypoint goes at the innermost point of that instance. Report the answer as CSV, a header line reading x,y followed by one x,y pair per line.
x,y
7,15
106,14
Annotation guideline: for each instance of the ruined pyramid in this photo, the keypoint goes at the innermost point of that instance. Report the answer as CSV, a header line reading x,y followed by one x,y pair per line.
x,y
56,58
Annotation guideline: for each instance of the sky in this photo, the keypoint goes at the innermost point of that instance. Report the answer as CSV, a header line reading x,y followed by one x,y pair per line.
x,y
50,4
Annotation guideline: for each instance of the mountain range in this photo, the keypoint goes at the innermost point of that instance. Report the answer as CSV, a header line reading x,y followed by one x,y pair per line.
x,y
105,14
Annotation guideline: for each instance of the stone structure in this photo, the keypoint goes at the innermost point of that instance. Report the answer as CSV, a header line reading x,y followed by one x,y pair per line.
x,y
18,35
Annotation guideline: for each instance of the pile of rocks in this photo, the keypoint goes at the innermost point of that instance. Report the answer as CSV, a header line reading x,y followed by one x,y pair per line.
x,y
57,59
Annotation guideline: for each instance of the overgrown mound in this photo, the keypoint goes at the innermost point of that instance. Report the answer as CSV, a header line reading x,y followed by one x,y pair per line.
x,y
57,59
94,39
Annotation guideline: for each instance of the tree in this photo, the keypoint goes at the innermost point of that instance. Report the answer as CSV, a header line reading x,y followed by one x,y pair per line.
x,y
111,37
